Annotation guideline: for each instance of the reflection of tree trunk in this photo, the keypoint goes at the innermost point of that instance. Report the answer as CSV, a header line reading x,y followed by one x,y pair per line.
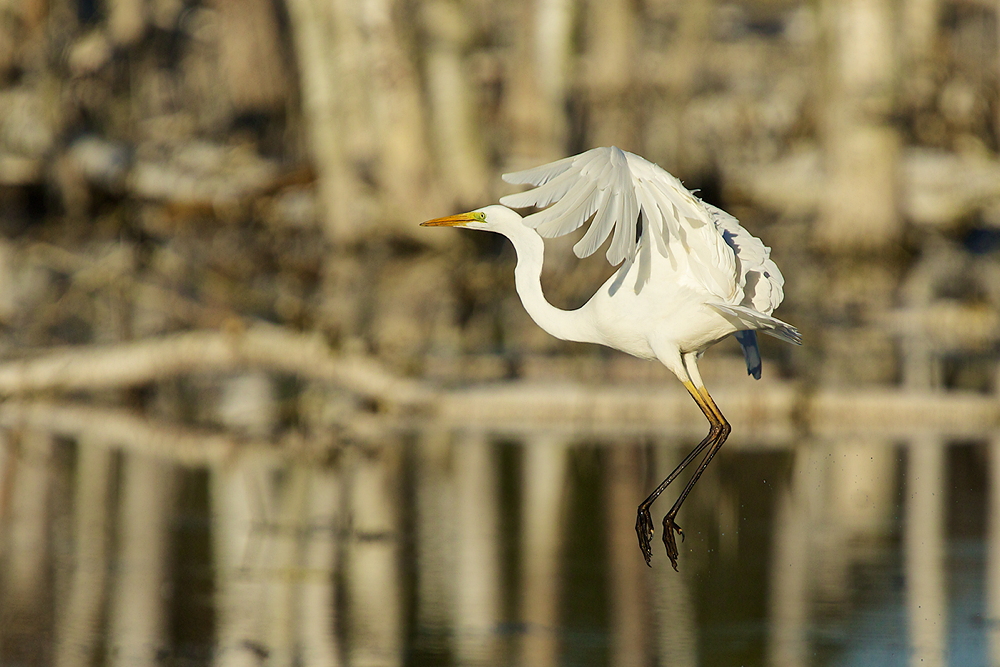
x,y
476,580
860,484
925,515
279,564
239,597
79,623
789,589
24,619
993,550
243,508
925,493
544,513
436,545
677,633
374,595
629,583
138,622
317,601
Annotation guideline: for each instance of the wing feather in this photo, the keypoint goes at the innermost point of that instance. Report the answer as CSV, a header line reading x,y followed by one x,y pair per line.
x,y
640,206
550,191
652,217
542,174
601,226
560,211
759,276
568,214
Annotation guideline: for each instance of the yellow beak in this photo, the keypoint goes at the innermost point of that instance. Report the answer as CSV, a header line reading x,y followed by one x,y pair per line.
x,y
452,220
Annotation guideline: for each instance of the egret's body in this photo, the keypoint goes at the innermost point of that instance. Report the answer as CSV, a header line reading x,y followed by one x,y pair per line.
x,y
691,275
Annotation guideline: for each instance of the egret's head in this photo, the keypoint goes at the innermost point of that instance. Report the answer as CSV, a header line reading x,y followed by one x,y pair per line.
x,y
490,219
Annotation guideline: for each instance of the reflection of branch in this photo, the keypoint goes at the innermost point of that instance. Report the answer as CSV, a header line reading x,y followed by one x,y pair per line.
x,y
113,427
260,346
116,428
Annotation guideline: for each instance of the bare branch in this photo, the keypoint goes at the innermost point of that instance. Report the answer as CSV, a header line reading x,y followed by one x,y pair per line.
x,y
260,346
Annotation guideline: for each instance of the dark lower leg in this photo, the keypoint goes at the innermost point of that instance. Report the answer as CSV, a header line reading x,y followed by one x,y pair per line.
x,y
669,526
644,522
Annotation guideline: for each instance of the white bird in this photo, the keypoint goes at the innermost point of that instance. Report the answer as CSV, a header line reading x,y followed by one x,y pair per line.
x,y
690,275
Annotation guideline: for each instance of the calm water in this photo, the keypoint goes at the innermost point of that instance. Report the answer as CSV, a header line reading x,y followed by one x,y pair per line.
x,y
503,553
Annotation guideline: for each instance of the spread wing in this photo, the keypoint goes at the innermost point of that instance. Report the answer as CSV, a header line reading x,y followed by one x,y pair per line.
x,y
638,205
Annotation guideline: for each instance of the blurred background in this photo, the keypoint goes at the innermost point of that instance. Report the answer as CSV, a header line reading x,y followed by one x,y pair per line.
x,y
254,415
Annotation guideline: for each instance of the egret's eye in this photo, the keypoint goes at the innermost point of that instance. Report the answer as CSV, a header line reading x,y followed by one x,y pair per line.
x,y
481,216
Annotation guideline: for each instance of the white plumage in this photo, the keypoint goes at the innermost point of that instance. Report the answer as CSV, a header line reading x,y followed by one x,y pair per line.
x,y
690,275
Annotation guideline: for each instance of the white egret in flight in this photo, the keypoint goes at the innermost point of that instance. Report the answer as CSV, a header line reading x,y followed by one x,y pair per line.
x,y
690,275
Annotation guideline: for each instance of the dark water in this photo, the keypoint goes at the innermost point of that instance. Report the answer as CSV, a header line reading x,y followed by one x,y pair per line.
x,y
605,607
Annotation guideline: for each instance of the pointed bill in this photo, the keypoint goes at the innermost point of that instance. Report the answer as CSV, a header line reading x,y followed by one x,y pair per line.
x,y
459,220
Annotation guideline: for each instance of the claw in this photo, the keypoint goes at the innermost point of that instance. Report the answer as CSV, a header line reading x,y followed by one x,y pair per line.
x,y
644,530
669,528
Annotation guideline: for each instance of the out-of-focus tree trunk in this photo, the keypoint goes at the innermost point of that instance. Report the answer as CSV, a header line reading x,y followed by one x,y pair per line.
x,y
540,81
679,71
859,210
452,102
919,29
609,73
408,192
328,47
250,60
126,21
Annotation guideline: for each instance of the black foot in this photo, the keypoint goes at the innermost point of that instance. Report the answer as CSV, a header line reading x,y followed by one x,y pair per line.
x,y
669,527
644,529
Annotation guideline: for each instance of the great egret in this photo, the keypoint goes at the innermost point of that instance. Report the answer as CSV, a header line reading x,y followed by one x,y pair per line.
x,y
690,276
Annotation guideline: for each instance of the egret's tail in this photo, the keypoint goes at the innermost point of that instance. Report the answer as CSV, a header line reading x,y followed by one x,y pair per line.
x,y
751,352
747,318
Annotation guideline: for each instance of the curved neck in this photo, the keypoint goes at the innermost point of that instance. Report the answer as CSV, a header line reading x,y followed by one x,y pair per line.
x,y
563,324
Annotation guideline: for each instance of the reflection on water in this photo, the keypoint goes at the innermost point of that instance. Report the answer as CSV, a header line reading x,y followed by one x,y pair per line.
x,y
458,549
